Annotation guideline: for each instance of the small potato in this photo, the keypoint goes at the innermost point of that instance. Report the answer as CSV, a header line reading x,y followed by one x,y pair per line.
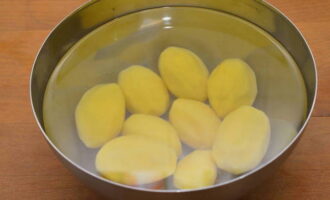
x,y
154,127
196,170
135,160
231,84
242,140
195,122
100,114
184,73
145,92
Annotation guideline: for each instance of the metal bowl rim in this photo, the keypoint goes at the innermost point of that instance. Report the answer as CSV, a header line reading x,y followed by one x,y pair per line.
x,y
269,6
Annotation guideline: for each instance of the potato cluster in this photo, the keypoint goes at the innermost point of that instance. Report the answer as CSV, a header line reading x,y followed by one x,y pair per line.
x,y
228,133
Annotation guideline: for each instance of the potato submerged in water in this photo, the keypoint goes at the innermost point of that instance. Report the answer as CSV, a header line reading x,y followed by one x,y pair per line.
x,y
154,127
136,160
242,140
231,84
145,92
100,114
196,170
195,122
184,73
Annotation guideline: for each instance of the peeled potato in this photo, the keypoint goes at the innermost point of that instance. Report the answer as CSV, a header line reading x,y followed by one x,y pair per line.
x,y
242,140
196,170
231,84
195,122
145,92
184,73
135,160
100,114
154,127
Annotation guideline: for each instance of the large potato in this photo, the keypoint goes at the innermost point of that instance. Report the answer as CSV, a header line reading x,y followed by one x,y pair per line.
x,y
231,84
184,73
145,92
152,126
242,140
136,160
195,122
100,114
196,170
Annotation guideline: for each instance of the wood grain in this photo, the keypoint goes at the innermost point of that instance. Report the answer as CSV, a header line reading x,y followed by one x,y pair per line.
x,y
28,168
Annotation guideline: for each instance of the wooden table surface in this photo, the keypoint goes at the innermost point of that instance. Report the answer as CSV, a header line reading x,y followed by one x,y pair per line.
x,y
30,170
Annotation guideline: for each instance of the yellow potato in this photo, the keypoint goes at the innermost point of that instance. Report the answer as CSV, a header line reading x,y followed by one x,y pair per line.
x,y
100,114
135,160
195,122
196,170
154,127
242,140
231,84
184,73
145,92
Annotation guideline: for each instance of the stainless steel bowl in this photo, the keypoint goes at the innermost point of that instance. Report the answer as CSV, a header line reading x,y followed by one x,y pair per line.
x,y
98,12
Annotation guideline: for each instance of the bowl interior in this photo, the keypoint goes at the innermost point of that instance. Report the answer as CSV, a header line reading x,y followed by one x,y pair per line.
x,y
138,38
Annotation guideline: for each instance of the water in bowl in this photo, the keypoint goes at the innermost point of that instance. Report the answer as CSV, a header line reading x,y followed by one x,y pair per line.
x,y
138,38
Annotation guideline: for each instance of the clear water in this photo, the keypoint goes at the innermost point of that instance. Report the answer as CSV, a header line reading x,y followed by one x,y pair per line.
x,y
139,38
